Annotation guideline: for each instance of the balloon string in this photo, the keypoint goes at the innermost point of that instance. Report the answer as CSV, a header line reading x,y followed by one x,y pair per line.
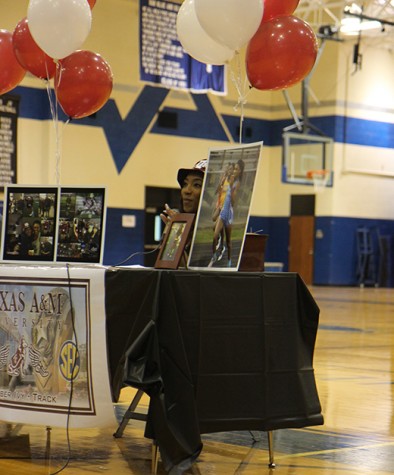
x,y
55,122
242,90
53,104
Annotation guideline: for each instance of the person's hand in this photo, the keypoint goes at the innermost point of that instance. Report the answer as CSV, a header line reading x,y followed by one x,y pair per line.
x,y
167,214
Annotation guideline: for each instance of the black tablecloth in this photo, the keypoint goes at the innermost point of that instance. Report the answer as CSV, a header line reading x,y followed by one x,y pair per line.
x,y
215,351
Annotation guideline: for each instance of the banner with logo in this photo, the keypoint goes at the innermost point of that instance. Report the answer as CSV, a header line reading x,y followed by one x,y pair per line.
x,y
163,61
53,357
9,111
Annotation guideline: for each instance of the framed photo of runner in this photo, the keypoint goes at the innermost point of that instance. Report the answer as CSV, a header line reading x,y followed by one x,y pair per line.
x,y
224,208
174,242
81,225
29,223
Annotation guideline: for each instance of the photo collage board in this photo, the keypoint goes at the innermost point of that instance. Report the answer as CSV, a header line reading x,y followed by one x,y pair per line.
x,y
53,224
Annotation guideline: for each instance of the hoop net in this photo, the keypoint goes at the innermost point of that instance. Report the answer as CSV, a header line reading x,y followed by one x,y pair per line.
x,y
320,179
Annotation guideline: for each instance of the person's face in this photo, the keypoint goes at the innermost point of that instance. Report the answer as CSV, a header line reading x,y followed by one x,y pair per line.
x,y
237,170
36,229
190,193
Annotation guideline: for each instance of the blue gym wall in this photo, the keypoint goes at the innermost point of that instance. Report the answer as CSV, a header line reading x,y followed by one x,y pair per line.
x,y
336,256
336,252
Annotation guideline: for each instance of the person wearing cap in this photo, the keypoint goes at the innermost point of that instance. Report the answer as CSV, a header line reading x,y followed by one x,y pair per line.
x,y
26,241
36,242
190,180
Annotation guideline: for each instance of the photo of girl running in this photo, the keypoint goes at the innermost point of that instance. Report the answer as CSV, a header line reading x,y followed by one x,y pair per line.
x,y
221,191
226,214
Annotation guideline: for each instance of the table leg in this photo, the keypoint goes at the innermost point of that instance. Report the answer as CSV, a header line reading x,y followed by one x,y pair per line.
x,y
48,446
271,449
155,457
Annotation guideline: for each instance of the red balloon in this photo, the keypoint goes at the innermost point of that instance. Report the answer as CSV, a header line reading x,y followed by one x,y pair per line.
x,y
281,53
30,56
83,83
274,8
11,72
92,3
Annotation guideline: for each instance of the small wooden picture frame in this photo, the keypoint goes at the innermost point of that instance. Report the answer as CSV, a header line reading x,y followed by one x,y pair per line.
x,y
174,242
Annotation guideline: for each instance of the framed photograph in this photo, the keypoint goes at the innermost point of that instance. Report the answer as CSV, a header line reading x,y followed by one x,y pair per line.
x,y
81,225
29,223
175,241
224,208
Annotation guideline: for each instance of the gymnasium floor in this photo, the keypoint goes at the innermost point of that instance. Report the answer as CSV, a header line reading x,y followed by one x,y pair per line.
x,y
354,365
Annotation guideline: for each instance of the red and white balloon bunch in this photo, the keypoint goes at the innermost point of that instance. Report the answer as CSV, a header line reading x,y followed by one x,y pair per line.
x,y
46,43
212,30
281,48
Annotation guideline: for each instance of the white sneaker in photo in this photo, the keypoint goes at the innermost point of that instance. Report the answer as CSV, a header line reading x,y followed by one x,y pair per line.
x,y
221,252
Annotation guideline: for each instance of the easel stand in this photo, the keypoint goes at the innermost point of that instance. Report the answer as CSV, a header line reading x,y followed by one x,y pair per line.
x,y
132,414
139,416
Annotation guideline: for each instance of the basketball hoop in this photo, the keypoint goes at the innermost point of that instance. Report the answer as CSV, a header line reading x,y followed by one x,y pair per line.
x,y
320,179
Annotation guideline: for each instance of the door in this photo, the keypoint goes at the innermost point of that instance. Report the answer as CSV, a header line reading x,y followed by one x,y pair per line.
x,y
302,236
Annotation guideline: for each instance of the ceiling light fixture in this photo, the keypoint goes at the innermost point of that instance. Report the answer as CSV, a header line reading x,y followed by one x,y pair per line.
x,y
352,26
356,11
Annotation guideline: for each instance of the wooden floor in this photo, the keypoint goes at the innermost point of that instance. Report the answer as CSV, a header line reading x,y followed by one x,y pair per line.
x,y
354,365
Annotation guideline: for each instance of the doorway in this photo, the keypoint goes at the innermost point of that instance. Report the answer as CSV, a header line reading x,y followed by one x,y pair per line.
x,y
155,198
302,236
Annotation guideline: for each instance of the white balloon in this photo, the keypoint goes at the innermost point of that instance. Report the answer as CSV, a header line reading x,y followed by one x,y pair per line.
x,y
195,41
230,22
59,27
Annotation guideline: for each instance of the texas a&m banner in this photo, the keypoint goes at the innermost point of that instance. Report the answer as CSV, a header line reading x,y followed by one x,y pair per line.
x,y
53,358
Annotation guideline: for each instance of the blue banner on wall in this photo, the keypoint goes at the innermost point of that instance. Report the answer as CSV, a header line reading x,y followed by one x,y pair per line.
x,y
9,111
163,61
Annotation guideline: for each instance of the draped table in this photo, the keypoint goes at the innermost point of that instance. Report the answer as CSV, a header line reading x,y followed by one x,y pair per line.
x,y
215,351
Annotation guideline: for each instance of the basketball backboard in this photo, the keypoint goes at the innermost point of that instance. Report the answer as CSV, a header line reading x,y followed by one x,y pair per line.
x,y
304,154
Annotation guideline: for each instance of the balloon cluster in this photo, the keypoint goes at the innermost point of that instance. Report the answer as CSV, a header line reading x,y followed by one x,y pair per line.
x,y
281,48
46,43
212,30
